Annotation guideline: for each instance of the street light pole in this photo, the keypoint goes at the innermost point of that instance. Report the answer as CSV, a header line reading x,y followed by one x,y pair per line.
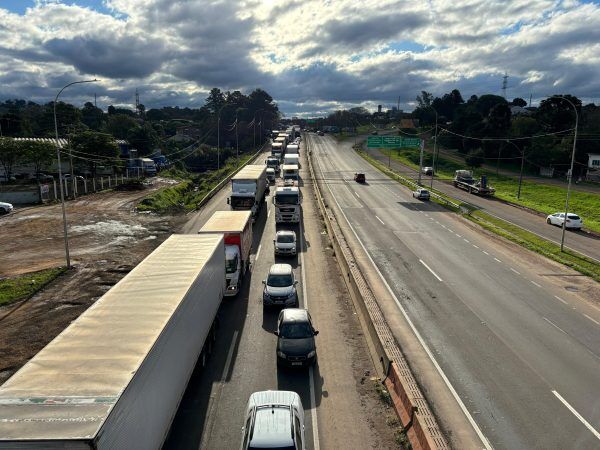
x,y
562,239
60,180
434,148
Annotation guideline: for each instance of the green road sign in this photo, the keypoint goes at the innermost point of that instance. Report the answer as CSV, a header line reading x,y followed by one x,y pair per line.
x,y
311,121
392,142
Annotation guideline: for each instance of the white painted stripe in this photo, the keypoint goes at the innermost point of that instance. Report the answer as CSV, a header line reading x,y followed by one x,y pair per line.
x,y
485,252
458,235
380,220
497,260
268,213
576,414
257,252
466,240
429,268
515,271
229,356
474,245
536,284
592,319
555,326
457,398
560,299
357,194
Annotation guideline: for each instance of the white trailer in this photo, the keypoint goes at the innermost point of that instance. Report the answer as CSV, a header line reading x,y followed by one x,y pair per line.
x,y
248,189
291,159
113,379
290,172
236,227
293,149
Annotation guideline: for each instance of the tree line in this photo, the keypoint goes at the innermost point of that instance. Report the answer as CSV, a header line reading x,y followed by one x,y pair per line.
x,y
91,132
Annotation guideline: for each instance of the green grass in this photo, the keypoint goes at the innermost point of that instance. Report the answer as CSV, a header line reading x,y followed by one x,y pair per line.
x,y
543,198
186,195
24,286
507,230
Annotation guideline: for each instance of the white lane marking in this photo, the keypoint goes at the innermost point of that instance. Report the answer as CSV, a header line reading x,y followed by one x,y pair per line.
x,y
268,212
311,377
592,319
560,299
535,284
229,356
380,220
474,245
497,260
429,268
485,252
576,414
357,194
515,271
443,226
555,326
466,240
459,401
257,252
458,235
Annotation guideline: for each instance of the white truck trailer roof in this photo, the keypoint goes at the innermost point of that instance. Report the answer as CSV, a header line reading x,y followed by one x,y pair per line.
x,y
226,221
114,377
251,172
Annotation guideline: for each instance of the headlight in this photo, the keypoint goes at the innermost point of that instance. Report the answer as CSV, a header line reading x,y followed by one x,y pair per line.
x,y
292,295
281,354
311,354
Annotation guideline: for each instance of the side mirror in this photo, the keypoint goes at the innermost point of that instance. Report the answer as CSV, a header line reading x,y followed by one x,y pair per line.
x,y
316,332
264,281
295,282
228,200
276,333
273,241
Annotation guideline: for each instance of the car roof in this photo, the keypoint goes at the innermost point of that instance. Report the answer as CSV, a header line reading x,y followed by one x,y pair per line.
x,y
294,314
286,232
272,427
287,189
280,269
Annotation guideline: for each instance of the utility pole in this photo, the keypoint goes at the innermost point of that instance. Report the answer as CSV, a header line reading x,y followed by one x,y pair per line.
x,y
504,84
434,150
421,161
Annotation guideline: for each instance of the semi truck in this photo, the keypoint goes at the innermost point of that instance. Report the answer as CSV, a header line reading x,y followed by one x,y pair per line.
x,y
463,179
290,173
145,166
287,204
114,378
292,148
236,228
291,159
273,162
248,189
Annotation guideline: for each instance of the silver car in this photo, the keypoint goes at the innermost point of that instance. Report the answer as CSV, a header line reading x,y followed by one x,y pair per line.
x,y
275,420
280,287
285,243
5,208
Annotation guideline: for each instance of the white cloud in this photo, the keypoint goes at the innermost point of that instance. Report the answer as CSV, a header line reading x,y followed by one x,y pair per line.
x,y
310,55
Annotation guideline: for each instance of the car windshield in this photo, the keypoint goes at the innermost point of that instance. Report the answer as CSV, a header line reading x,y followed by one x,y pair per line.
x,y
295,330
286,199
279,280
231,265
285,238
423,191
254,447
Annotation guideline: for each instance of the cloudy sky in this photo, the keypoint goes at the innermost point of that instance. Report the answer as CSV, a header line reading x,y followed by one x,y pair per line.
x,y
312,56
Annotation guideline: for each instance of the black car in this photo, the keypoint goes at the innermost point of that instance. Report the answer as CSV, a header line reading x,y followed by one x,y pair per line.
x,y
296,338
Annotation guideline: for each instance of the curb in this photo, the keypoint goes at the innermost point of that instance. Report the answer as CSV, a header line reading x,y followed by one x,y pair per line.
x,y
409,403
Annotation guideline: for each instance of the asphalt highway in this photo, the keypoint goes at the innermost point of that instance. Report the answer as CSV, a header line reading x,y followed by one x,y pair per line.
x,y
243,361
582,242
520,349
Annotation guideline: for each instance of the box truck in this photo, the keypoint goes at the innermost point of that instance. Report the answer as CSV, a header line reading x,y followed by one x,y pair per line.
x,y
113,379
291,159
236,228
287,204
248,189
289,173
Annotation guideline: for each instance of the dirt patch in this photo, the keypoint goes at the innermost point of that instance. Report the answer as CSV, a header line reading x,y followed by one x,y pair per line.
x,y
107,238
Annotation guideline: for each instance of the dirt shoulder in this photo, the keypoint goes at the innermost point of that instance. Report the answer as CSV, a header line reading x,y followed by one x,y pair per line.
x,y
107,239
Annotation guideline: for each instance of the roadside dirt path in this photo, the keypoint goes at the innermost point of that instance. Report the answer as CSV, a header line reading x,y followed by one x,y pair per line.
x,y
107,239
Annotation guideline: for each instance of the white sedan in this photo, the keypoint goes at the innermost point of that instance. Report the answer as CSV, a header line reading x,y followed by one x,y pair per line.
x,y
5,208
573,220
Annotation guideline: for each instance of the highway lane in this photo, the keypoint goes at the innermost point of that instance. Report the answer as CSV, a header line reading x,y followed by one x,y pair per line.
x,y
582,242
243,361
499,328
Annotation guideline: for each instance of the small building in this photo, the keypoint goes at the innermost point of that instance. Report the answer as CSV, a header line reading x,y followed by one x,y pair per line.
x,y
520,111
593,167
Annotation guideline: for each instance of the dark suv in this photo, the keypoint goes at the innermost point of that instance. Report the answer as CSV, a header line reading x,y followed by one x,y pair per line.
x,y
296,339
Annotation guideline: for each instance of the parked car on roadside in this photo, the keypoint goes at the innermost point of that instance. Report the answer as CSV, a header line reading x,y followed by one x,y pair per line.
x,y
421,194
285,243
295,338
427,170
274,420
280,287
320,133
5,208
573,220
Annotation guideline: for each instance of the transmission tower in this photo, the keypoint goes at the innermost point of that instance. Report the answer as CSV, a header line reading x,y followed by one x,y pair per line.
x,y
504,84
137,102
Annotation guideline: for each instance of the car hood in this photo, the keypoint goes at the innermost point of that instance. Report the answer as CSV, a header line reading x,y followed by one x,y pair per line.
x,y
296,347
285,244
279,291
